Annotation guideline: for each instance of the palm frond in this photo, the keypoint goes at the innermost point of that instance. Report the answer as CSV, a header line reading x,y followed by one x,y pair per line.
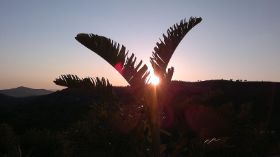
x,y
165,49
116,55
73,81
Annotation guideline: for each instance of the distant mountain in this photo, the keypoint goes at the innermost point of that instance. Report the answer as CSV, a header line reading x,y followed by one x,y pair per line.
x,y
24,92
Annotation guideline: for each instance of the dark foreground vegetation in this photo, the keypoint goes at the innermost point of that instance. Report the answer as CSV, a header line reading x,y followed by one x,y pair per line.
x,y
208,118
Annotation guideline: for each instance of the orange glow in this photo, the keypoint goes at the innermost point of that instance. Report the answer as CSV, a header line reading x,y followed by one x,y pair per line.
x,y
154,80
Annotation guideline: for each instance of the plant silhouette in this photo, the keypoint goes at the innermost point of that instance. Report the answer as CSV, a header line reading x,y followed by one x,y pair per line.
x,y
165,49
73,81
136,73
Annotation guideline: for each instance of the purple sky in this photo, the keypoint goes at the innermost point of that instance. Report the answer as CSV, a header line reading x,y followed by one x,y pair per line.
x,y
236,39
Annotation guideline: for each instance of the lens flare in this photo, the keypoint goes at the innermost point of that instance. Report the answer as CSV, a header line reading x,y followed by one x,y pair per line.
x,y
154,80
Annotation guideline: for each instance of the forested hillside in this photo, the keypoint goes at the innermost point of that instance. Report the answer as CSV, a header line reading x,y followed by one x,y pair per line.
x,y
219,118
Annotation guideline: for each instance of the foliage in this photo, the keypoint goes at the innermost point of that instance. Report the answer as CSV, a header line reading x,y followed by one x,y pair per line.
x,y
8,141
117,56
165,49
73,81
43,143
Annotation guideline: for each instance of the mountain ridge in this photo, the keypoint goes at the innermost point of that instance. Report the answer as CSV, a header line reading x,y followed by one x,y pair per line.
x,y
22,91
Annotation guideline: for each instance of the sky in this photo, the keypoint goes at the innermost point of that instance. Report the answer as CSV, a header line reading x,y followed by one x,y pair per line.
x,y
236,39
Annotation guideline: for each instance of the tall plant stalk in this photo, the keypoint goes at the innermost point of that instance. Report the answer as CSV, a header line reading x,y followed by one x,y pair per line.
x,y
155,120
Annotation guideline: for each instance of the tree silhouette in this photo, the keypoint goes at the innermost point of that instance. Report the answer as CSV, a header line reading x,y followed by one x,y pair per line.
x,y
136,74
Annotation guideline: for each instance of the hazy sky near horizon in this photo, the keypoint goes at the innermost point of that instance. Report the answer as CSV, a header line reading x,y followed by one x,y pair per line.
x,y
235,40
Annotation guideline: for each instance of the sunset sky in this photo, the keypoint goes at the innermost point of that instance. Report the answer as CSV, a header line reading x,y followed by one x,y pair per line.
x,y
237,39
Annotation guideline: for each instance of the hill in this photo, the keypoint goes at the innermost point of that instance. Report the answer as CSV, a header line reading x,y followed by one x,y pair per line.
x,y
5,98
24,92
243,116
66,106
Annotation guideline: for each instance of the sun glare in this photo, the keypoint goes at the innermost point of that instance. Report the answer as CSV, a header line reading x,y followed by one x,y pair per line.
x,y
154,80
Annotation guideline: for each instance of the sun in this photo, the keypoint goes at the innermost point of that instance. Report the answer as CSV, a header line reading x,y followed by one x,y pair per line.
x,y
154,80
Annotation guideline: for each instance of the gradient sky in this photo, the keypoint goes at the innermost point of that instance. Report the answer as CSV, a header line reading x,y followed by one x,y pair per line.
x,y
235,40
